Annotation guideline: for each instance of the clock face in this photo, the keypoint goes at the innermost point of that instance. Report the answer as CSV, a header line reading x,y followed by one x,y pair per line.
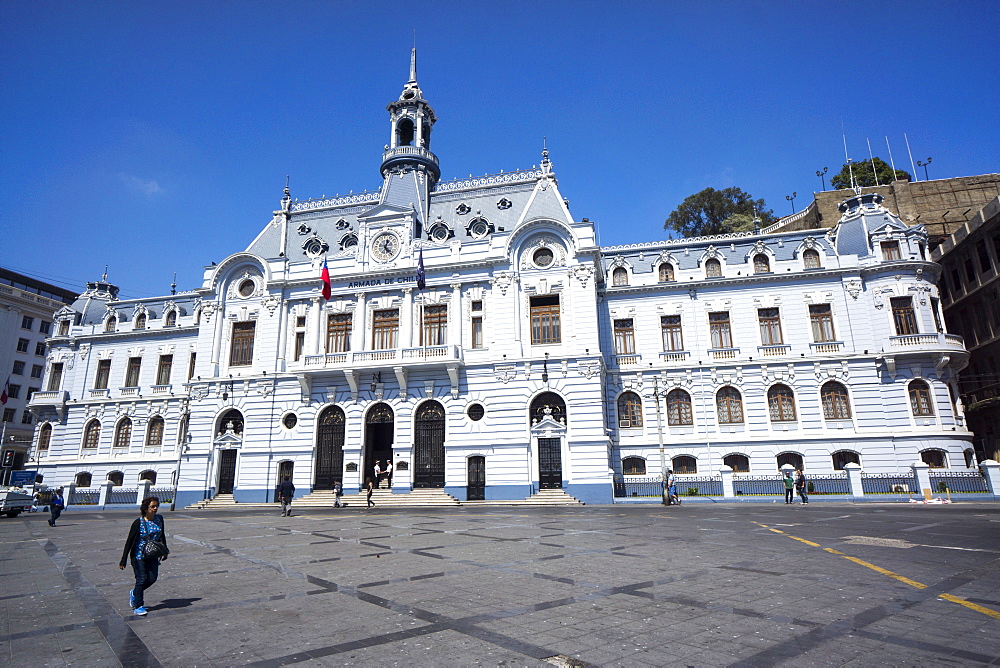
x,y
385,247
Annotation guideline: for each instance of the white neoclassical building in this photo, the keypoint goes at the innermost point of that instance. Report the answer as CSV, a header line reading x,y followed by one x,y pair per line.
x,y
477,336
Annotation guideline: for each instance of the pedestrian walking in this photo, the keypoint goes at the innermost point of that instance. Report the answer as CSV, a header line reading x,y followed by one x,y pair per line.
x,y
800,485
789,487
56,505
146,547
286,490
672,497
338,491
371,488
388,472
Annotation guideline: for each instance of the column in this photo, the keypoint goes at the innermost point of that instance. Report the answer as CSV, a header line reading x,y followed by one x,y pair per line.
x,y
727,482
455,317
991,471
142,492
219,314
317,338
921,478
854,480
406,320
358,324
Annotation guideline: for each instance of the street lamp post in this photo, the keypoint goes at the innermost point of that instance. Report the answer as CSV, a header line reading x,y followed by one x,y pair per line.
x,y
924,165
659,434
822,176
791,198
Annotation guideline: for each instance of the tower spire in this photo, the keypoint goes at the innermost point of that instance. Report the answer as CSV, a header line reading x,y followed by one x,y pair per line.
x,y
413,66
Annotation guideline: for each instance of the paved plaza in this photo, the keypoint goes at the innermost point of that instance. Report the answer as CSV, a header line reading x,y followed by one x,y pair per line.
x,y
701,585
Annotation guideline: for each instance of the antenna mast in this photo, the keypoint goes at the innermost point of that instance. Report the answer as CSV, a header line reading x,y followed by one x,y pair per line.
x,y
891,161
912,166
872,158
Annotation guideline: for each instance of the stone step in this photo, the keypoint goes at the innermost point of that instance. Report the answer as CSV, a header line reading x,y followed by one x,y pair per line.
x,y
420,497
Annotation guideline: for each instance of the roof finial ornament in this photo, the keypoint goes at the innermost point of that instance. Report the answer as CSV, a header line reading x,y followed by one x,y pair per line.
x,y
756,220
546,163
413,60
104,276
173,286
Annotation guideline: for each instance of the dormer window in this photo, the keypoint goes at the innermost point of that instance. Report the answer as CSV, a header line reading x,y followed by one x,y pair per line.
x,y
810,259
111,324
619,278
64,328
666,274
890,251
140,321
713,268
171,320
761,265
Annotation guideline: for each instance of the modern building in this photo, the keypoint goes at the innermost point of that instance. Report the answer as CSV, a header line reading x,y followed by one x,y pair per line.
x,y
970,294
26,308
475,335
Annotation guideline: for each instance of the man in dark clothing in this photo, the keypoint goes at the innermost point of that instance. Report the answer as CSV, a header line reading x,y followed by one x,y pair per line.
x,y
286,490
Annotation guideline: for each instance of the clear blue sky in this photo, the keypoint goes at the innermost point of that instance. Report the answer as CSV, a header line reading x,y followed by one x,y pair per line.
x,y
155,136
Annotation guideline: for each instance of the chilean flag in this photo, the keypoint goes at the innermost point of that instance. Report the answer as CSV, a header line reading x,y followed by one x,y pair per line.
x,y
325,277
421,276
3,393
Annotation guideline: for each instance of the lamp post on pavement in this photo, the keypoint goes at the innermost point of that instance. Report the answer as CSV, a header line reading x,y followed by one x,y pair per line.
x,y
659,432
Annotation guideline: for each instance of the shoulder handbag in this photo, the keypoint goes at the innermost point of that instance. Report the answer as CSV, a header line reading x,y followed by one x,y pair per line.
x,y
154,549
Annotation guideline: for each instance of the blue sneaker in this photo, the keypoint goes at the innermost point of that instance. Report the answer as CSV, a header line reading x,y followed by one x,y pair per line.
x,y
131,599
141,611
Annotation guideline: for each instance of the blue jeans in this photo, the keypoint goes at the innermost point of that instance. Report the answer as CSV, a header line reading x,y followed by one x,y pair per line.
x,y
146,572
55,511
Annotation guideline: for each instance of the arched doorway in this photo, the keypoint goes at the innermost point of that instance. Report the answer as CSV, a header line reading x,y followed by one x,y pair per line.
x,y
379,429
548,410
330,447
228,436
428,446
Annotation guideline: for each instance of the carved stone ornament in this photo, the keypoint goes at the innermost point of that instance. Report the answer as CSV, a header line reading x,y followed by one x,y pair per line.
x,y
582,273
504,203
504,372
271,302
83,351
712,252
853,287
619,261
759,247
502,280
543,241
200,392
810,243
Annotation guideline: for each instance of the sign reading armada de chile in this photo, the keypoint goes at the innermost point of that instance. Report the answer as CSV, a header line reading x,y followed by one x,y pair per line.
x,y
391,280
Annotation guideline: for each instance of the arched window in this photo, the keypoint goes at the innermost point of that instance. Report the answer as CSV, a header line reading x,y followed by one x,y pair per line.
x,y
82,479
116,478
738,463
148,475
836,403
154,434
936,459
140,321
666,273
548,404
111,324
619,277
171,319
729,404
920,398
761,264
123,433
405,131
684,464
629,410
781,403
810,259
679,408
793,458
970,458
842,458
231,417
713,268
634,466
44,436
91,435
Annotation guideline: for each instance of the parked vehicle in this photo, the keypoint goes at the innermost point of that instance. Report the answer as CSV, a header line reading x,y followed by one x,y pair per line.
x,y
14,500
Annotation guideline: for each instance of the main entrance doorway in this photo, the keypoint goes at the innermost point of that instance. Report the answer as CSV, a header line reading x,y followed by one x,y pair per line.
x,y
428,446
548,415
549,463
379,429
476,490
227,471
330,448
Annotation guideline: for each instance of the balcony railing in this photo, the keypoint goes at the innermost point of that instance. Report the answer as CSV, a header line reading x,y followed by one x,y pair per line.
x,y
826,346
724,353
381,357
926,340
48,398
419,151
674,355
160,389
129,391
628,359
774,351
98,393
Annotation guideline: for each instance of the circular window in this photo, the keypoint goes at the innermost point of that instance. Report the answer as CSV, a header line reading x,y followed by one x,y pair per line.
x,y
315,247
290,420
349,241
439,233
246,288
479,228
543,257
476,412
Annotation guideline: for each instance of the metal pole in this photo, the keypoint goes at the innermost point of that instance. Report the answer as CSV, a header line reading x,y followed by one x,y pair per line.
x,y
659,433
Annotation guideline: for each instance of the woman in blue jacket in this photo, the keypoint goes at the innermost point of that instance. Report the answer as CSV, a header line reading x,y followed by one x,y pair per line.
x,y
145,546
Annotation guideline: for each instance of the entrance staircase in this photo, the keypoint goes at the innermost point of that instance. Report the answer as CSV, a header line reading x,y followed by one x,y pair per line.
x,y
384,498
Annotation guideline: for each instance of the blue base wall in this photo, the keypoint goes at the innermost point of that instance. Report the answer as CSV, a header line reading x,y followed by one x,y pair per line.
x,y
592,494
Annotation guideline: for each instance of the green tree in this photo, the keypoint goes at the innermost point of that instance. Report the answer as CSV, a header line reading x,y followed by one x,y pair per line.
x,y
864,175
714,211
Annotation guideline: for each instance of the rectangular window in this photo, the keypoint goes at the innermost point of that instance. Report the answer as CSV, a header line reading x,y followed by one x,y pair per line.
x,y
821,317
14,391
890,250
55,377
8,415
18,368
624,337
970,272
241,353
338,333
44,327
300,344
984,256
26,417
385,329
300,321
27,321
936,311
435,328
670,325
477,331
64,328
132,372
903,316
103,374
718,323
956,282
770,326
22,345
545,327
191,363
31,390
163,369
40,348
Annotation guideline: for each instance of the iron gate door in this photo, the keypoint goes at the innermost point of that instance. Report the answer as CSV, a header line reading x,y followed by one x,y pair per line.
x,y
227,471
428,450
330,448
477,479
549,463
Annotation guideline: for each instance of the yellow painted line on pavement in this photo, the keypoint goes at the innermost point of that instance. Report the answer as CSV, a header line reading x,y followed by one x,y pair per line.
x,y
896,576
